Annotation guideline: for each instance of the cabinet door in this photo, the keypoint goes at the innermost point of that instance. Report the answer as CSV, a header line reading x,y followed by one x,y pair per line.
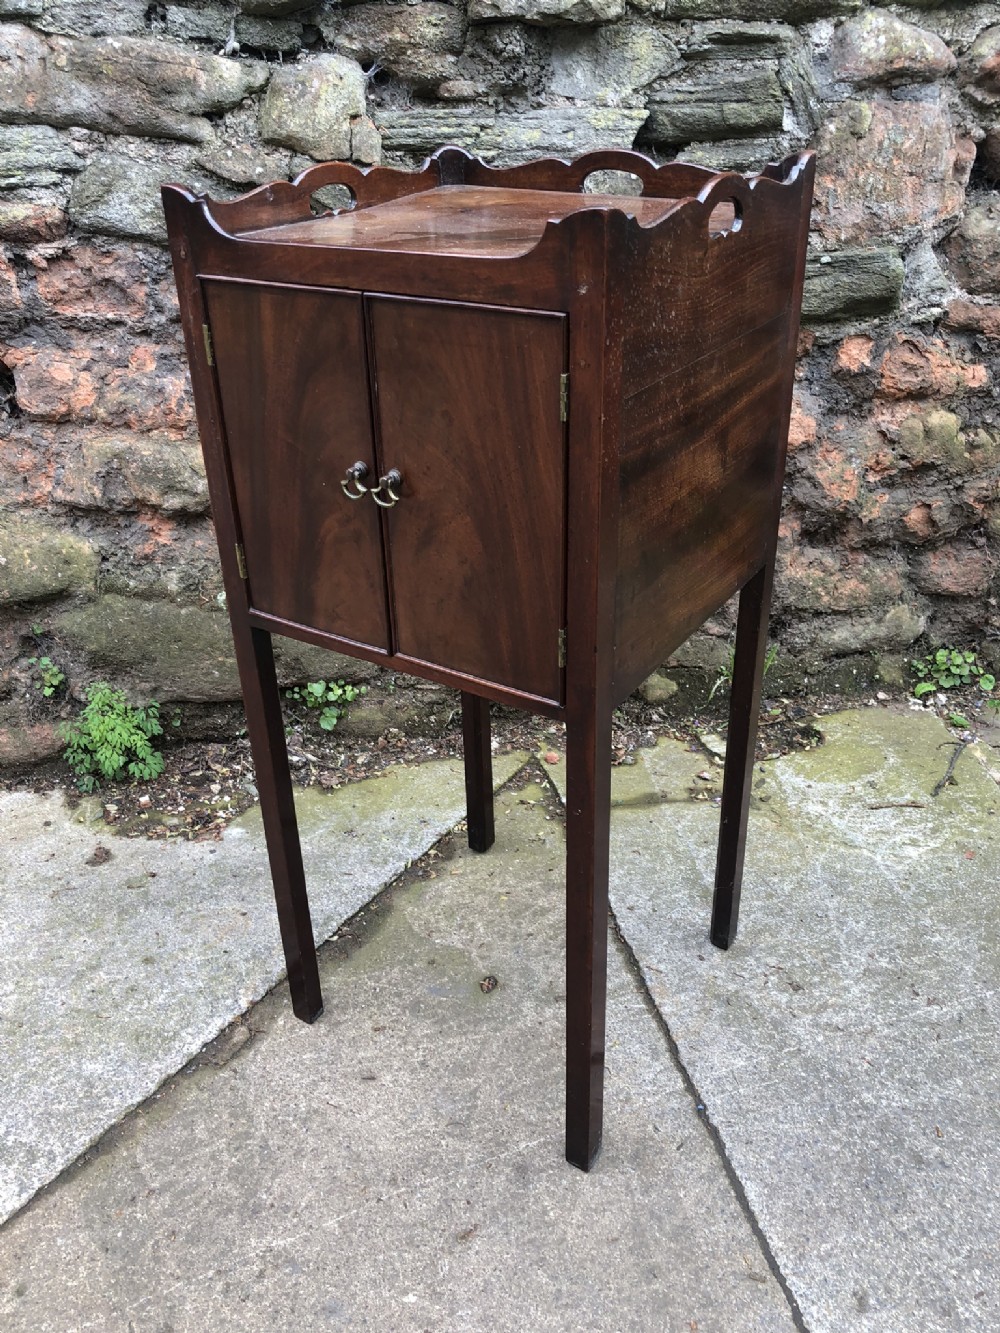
x,y
468,402
293,378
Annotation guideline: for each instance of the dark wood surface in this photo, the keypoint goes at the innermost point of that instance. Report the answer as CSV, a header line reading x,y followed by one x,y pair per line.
x,y
478,772
477,221
468,409
291,365
674,317
701,464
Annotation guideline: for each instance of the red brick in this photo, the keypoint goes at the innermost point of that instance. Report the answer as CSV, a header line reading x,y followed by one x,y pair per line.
x,y
837,477
27,222
887,165
954,571
926,368
10,293
91,282
972,318
143,387
802,426
855,354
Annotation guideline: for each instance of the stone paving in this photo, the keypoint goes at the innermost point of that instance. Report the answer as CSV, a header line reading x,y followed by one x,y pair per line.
x,y
801,1133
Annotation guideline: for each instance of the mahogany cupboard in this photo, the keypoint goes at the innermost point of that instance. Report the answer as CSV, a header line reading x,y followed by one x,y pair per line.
x,y
490,429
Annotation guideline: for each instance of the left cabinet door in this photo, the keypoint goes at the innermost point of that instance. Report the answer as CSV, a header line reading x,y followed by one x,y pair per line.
x,y
293,378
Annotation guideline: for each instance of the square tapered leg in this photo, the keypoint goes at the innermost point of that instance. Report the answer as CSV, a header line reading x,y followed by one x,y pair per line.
x,y
588,812
262,700
744,713
478,771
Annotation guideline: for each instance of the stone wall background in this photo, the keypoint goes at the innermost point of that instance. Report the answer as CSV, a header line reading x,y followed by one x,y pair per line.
x,y
892,514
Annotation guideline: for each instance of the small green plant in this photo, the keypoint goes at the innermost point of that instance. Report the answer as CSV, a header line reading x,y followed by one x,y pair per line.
x,y
48,677
111,740
950,667
725,676
330,697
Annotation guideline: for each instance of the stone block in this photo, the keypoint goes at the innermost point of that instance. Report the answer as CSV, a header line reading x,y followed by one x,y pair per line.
x,y
748,155
546,12
957,570
34,155
217,23
168,652
274,8
878,631
889,168
40,560
159,557
366,142
973,248
852,284
116,195
115,383
715,99
658,688
309,106
418,42
92,18
128,472
11,301
23,744
557,131
879,48
970,317
242,164
160,650
752,11
610,64
933,435
915,367
824,579
739,39
32,218
126,85
980,74
91,283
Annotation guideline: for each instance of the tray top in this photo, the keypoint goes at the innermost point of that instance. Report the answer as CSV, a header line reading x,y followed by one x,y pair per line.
x,y
473,220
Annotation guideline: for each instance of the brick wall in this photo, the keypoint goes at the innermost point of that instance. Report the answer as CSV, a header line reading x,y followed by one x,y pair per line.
x,y
893,505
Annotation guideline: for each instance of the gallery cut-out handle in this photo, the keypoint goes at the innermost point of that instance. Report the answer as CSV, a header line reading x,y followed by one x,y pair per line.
x,y
725,218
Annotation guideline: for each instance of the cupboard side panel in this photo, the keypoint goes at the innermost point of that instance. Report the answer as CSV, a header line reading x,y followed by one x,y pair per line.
x,y
469,412
701,474
692,291
293,380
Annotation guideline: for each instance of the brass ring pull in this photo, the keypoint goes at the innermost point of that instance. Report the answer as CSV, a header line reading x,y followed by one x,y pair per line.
x,y
356,473
392,482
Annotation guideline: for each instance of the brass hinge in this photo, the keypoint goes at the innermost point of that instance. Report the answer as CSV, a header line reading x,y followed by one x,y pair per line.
x,y
562,647
563,397
241,560
206,333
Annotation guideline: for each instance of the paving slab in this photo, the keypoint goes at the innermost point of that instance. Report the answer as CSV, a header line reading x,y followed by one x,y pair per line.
x,y
846,1047
116,973
398,1165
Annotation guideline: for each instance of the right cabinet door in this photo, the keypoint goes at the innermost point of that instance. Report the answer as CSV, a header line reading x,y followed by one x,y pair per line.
x,y
469,412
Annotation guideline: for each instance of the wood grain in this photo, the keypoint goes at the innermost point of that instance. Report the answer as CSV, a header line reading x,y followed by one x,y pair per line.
x,y
468,404
293,378
700,469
